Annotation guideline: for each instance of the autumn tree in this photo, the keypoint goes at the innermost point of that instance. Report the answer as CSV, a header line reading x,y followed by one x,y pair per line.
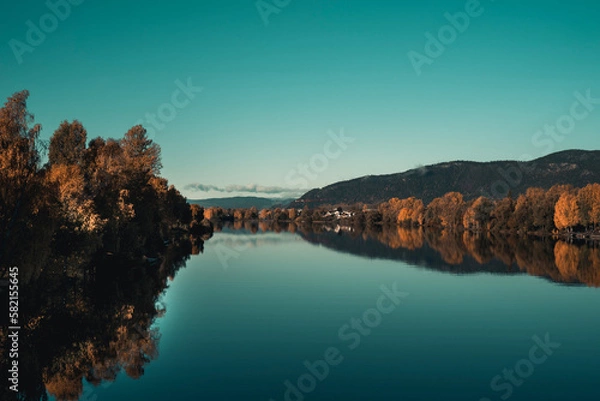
x,y
19,163
566,213
104,166
544,207
369,218
238,214
197,213
478,214
446,211
76,208
110,190
142,155
411,212
214,213
501,215
525,209
588,199
431,217
67,145
389,210
265,214
251,213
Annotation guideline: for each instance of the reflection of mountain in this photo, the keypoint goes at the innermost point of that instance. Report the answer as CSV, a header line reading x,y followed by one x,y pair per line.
x,y
467,253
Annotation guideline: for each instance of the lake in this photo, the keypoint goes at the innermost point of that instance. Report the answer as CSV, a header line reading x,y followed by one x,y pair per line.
x,y
335,314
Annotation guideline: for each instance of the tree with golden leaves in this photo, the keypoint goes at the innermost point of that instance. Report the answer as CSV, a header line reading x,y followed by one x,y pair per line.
x,y
526,209
567,258
502,216
67,145
566,212
446,211
142,155
588,199
389,210
251,213
411,212
265,214
478,214
19,164
76,208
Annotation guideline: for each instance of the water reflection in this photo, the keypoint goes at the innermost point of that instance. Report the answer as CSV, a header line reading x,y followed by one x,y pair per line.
x,y
455,252
90,317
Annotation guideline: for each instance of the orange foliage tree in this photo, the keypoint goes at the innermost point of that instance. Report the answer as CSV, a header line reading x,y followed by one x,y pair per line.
x,y
566,214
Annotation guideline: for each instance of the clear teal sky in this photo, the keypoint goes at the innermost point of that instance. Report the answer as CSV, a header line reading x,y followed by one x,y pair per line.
x,y
272,92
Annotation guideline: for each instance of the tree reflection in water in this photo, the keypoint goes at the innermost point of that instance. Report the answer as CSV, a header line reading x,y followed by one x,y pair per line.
x,y
456,252
90,318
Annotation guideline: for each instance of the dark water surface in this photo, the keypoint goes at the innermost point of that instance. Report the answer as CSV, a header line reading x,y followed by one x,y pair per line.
x,y
385,315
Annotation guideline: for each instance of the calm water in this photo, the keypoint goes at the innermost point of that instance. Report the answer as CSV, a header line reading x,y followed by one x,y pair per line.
x,y
243,318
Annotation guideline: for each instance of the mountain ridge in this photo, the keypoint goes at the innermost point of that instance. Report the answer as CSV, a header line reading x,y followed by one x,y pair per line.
x,y
241,202
494,179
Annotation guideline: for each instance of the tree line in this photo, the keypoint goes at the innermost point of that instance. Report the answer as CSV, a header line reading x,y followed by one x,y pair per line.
x,y
105,193
560,209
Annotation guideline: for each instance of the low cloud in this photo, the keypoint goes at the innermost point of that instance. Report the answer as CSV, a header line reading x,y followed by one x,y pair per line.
x,y
251,188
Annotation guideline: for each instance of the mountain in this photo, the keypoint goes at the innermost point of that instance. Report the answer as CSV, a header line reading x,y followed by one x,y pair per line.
x,y
472,179
241,202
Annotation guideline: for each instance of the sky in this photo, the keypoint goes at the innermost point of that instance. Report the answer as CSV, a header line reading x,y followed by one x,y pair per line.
x,y
275,97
